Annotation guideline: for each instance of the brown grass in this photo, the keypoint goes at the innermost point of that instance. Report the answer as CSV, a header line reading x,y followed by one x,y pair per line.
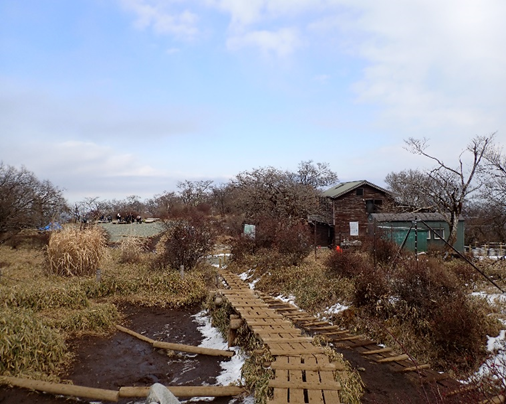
x,y
76,252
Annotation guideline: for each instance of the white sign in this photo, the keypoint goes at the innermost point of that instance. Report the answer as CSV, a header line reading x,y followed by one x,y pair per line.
x,y
249,231
353,228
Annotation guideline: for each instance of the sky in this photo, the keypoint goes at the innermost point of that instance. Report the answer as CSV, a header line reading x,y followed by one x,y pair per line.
x,y
113,98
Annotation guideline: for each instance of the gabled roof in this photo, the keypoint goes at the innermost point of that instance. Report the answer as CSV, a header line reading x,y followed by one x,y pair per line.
x,y
345,187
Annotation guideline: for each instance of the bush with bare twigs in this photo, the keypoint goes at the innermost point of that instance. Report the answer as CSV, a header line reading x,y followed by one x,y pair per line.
x,y
76,252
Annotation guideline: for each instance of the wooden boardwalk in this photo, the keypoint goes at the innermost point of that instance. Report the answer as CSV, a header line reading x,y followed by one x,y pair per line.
x,y
302,371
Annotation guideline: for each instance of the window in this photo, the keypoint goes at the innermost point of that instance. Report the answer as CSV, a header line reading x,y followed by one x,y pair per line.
x,y
438,233
359,191
373,205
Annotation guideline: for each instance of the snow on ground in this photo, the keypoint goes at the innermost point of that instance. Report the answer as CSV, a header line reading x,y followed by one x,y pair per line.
x,y
245,276
495,366
231,369
492,298
335,309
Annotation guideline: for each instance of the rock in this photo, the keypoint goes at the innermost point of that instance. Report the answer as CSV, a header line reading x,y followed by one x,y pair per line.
x,y
159,394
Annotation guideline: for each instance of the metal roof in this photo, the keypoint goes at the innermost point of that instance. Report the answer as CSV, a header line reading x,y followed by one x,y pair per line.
x,y
345,187
407,217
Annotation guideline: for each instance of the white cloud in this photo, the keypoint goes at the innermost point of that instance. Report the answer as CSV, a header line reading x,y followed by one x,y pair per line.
x,y
282,42
246,13
159,16
432,63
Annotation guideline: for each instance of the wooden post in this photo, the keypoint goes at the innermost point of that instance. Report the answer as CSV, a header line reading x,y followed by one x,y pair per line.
x,y
235,323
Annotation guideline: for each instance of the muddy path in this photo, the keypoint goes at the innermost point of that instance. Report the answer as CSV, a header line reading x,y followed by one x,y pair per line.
x,y
122,360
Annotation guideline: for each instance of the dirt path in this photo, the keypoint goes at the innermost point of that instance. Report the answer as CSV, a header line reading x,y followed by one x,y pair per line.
x,y
122,360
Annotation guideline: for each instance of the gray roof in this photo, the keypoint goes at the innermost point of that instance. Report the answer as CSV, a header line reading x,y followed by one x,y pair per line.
x,y
345,187
407,217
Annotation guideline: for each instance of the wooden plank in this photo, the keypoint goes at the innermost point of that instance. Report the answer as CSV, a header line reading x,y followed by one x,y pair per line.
x,y
320,324
331,385
330,396
314,367
250,305
377,351
393,358
295,395
293,352
267,321
281,394
413,368
266,328
284,339
313,376
435,378
363,343
349,338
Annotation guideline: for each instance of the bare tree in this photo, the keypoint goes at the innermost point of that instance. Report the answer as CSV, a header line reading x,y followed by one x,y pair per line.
x,y
275,193
194,193
447,187
405,186
317,175
25,201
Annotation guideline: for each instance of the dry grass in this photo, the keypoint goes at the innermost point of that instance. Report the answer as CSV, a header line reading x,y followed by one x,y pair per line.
x,y
28,345
76,252
132,249
40,310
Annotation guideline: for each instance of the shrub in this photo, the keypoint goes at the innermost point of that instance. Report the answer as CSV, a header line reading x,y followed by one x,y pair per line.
x,y
294,240
371,290
433,303
289,239
381,249
185,243
346,263
75,252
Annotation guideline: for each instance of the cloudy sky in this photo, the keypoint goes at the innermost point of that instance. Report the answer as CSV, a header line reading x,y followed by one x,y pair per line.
x,y
112,98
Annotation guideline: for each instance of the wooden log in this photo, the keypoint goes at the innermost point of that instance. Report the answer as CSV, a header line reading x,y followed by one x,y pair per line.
x,y
393,358
413,368
232,335
185,391
235,323
377,351
178,347
135,334
192,349
62,389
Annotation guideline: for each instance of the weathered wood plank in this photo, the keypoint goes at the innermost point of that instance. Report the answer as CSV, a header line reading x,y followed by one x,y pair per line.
x,y
314,396
327,385
393,358
377,351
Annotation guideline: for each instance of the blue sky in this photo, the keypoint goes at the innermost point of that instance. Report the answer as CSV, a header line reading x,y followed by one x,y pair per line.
x,y
111,98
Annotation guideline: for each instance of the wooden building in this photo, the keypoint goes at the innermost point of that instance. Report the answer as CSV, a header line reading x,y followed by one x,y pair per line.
x,y
352,203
